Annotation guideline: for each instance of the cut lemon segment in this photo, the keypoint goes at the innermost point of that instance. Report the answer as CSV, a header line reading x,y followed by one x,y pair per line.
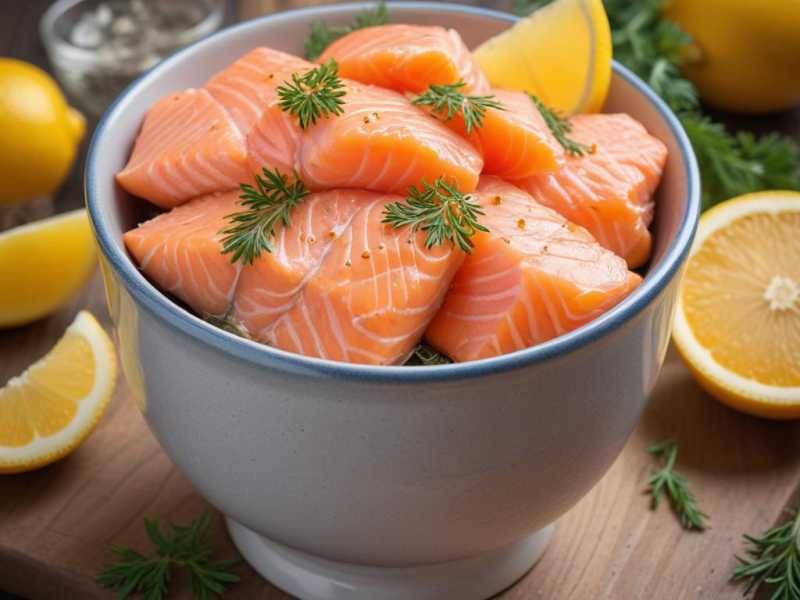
x,y
42,264
737,325
561,53
51,408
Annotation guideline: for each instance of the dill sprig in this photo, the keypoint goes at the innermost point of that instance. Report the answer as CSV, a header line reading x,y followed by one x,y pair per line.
x,y
676,487
560,127
655,48
179,547
315,94
448,100
440,210
323,35
427,355
774,559
270,202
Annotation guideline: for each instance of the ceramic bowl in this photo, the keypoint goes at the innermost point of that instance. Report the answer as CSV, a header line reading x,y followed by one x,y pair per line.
x,y
359,482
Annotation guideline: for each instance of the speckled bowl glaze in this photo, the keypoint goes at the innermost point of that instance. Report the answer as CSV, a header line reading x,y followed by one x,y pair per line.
x,y
377,483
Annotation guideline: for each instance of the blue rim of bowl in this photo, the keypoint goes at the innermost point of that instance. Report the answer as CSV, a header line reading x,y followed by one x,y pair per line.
x,y
187,323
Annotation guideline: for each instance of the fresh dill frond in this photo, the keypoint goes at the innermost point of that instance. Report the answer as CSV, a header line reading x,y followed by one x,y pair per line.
x,y
428,355
266,205
323,35
666,480
441,211
313,95
448,100
773,559
179,547
560,127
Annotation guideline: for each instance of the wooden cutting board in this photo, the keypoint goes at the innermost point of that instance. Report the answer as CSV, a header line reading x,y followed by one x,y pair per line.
x,y
56,524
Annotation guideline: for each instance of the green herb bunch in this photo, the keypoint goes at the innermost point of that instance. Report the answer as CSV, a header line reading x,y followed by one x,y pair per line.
x,y
449,100
655,48
676,487
323,35
185,548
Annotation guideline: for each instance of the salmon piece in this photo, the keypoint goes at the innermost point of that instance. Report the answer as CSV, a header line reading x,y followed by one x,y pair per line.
x,y
609,192
373,295
533,277
188,146
181,252
381,143
249,85
406,58
269,286
514,142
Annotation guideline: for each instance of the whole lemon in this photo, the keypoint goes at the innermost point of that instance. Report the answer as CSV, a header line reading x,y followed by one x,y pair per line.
x,y
748,57
39,132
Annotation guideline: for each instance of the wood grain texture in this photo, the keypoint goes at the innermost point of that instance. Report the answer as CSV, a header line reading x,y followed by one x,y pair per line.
x,y
56,523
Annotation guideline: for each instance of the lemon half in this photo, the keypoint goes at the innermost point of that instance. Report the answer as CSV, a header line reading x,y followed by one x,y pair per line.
x,y
51,408
738,314
561,53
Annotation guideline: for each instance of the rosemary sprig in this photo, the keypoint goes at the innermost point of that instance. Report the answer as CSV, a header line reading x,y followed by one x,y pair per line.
x,y
323,35
315,94
440,210
447,101
269,203
774,559
676,487
560,127
179,547
427,355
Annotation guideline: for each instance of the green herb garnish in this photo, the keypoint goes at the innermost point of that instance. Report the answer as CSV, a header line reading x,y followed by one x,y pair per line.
x,y
774,559
655,47
313,95
560,127
185,548
441,211
427,355
676,487
323,35
269,203
447,101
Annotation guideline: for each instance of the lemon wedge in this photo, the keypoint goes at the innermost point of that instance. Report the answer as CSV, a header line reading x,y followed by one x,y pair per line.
x,y
737,325
561,53
42,264
51,408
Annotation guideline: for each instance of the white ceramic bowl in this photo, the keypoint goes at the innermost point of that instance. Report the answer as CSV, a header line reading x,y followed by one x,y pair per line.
x,y
347,481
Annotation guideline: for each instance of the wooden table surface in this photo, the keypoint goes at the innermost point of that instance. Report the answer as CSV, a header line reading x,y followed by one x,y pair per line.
x,y
56,524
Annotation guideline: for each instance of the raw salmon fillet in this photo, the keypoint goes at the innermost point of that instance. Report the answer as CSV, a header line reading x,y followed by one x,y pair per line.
x,y
188,146
269,286
381,142
610,191
406,58
249,85
373,295
515,142
533,277
181,252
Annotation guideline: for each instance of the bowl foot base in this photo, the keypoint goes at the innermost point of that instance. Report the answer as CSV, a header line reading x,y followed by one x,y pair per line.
x,y
312,578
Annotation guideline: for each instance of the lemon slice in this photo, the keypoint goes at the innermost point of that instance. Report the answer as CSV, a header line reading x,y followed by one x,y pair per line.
x,y
561,53
42,264
51,408
738,313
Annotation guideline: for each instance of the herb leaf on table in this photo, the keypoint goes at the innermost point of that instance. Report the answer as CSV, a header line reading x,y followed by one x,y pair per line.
x,y
179,547
773,559
675,486
323,35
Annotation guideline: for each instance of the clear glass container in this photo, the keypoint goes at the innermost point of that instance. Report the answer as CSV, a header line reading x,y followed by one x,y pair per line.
x,y
97,47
